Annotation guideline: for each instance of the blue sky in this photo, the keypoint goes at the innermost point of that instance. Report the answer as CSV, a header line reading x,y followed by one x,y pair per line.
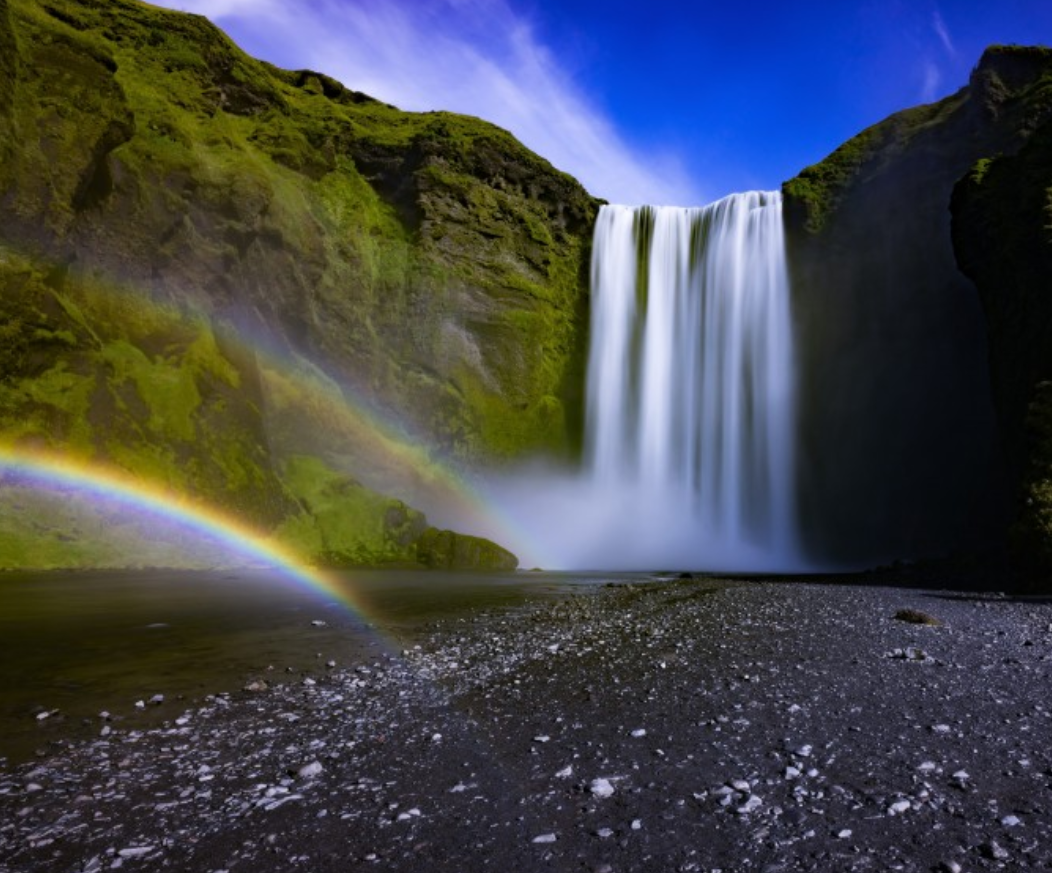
x,y
646,100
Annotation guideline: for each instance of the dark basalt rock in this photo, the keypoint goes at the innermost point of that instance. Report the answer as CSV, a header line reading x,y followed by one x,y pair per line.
x,y
1002,241
900,452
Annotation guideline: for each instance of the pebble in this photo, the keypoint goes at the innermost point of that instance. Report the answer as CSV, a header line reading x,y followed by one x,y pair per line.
x,y
639,732
750,806
899,807
319,623
545,838
566,772
844,834
601,787
311,770
1011,821
993,851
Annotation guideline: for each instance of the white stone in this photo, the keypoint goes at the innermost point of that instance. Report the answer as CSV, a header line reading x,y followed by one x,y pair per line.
x,y
639,732
637,824
545,838
309,771
566,772
750,805
898,807
844,834
1011,821
601,787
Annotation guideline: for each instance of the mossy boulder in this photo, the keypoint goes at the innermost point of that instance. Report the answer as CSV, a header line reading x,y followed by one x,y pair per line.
x,y
446,550
900,451
344,524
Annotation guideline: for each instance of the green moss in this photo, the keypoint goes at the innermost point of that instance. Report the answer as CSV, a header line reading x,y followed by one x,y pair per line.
x,y
147,144
818,189
343,523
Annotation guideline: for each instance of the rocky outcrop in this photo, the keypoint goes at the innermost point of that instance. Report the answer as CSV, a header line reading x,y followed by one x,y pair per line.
x,y
1003,242
901,455
446,550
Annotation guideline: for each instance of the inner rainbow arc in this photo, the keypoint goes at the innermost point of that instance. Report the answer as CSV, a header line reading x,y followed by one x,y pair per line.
x,y
88,478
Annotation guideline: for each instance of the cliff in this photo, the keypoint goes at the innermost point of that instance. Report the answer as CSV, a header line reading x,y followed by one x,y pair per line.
x,y
903,455
1003,242
191,236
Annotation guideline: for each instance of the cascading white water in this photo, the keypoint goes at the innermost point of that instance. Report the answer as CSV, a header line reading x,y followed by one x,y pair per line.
x,y
689,435
690,380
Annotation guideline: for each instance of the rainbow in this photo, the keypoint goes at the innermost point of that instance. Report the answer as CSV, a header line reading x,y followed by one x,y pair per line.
x,y
48,469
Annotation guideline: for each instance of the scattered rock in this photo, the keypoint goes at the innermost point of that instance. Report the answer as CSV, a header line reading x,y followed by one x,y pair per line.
x,y
915,616
311,770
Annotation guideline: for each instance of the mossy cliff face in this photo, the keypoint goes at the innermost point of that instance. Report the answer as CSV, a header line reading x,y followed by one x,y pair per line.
x,y
428,260
1002,215
900,451
429,263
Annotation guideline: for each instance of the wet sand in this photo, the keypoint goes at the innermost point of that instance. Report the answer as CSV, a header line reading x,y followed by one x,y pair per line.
x,y
671,725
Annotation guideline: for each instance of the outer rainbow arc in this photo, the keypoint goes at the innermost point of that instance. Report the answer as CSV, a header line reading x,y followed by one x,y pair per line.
x,y
111,483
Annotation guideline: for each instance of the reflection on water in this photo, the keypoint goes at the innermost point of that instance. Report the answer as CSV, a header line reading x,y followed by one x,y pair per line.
x,y
85,642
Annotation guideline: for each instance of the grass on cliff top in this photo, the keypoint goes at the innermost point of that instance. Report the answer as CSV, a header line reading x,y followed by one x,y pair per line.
x,y
1022,73
819,187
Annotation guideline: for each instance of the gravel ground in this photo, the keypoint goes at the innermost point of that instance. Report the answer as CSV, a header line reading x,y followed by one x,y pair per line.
x,y
673,726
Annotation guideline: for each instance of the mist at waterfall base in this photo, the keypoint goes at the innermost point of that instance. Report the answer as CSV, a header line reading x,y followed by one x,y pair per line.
x,y
690,431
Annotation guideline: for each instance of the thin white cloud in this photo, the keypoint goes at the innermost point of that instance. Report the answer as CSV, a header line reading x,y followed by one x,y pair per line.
x,y
944,34
932,81
478,57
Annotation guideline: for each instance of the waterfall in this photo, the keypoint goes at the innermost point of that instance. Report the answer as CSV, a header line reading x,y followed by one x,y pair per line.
x,y
689,439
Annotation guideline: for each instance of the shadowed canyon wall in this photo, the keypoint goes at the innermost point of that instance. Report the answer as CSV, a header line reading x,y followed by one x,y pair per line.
x,y
902,456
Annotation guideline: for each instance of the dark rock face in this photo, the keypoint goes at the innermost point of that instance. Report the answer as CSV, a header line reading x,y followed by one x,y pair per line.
x,y
1002,240
900,452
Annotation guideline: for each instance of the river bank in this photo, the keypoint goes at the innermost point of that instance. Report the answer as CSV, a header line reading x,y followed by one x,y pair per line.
x,y
677,725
